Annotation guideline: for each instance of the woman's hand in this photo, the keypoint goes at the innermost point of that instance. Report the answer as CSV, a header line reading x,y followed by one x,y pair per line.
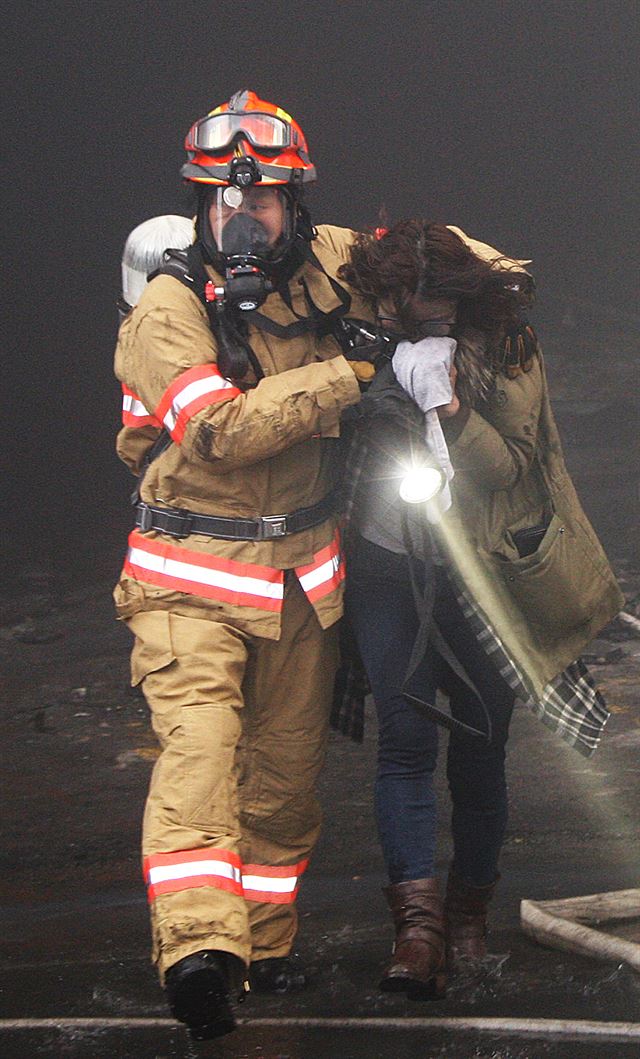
x,y
445,411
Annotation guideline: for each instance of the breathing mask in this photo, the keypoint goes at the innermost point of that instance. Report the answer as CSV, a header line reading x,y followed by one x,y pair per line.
x,y
248,230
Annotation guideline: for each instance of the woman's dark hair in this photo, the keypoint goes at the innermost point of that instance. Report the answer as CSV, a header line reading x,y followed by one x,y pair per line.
x,y
418,257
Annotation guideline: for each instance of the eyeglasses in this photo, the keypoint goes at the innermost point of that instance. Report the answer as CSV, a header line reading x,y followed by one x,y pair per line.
x,y
388,323
421,328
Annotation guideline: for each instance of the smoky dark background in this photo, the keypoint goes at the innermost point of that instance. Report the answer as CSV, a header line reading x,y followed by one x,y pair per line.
x,y
515,120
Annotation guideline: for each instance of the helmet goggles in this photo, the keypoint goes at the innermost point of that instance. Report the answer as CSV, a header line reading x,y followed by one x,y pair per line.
x,y
217,132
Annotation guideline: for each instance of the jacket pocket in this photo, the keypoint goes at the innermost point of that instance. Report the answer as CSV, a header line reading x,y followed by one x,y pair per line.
x,y
128,597
557,587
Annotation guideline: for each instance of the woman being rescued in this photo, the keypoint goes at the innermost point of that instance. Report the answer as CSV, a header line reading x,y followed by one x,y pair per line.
x,y
487,592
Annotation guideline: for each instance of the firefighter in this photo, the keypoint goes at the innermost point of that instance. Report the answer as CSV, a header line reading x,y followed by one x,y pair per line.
x,y
233,390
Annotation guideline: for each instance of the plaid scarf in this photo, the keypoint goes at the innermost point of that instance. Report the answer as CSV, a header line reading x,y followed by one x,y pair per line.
x,y
570,705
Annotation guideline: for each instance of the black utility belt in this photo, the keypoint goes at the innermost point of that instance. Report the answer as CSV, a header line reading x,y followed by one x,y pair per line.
x,y
180,523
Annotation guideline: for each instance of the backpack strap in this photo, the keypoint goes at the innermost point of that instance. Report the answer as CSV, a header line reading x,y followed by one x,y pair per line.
x,y
187,266
176,264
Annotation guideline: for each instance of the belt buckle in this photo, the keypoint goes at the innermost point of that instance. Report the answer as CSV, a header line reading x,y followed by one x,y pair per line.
x,y
273,526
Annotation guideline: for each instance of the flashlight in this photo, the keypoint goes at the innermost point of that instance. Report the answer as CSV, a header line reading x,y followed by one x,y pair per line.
x,y
243,172
422,483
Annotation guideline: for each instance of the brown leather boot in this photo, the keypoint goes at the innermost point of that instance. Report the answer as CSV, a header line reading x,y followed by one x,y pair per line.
x,y
465,911
417,967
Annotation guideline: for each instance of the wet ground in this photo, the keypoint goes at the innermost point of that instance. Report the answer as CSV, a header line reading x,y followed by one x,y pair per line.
x,y
77,754
317,1043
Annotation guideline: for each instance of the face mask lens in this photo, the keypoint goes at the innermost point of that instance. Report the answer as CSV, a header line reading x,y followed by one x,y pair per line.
x,y
254,222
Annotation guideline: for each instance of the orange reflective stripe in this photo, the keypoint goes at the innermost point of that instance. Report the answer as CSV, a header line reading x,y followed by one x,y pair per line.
x,y
189,393
173,872
275,885
223,870
241,584
324,575
134,413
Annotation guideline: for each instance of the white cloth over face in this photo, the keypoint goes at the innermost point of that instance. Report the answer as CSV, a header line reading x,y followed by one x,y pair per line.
x,y
422,369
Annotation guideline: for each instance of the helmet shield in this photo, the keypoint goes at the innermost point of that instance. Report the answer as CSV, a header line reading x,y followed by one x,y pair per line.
x,y
255,222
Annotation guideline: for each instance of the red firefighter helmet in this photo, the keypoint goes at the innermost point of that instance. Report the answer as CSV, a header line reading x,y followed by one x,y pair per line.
x,y
247,127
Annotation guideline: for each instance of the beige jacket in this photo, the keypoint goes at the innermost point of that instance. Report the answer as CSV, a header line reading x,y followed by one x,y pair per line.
x,y
510,474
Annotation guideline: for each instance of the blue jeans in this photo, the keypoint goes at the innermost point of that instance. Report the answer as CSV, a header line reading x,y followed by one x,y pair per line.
x,y
382,611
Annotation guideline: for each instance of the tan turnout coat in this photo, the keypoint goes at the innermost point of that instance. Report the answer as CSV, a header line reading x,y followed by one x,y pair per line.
x,y
263,450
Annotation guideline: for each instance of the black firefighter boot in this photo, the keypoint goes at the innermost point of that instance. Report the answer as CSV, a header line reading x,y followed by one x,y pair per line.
x,y
198,988
276,974
465,910
417,966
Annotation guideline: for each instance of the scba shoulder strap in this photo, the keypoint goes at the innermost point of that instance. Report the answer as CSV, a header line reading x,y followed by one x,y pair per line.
x,y
235,352
187,266
176,264
318,321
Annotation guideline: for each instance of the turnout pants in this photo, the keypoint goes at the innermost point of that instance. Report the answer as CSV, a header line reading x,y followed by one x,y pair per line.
x,y
232,816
